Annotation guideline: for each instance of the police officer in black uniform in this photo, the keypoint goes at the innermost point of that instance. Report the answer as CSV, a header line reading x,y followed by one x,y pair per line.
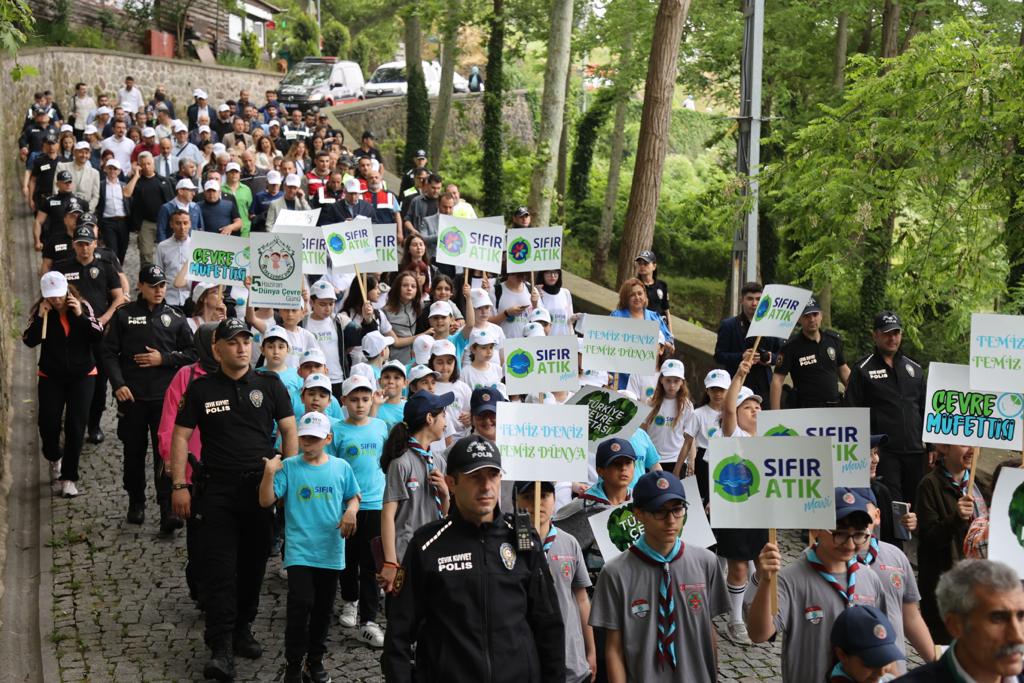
x,y
42,171
50,214
475,606
146,342
893,386
57,243
96,279
235,409
814,359
409,177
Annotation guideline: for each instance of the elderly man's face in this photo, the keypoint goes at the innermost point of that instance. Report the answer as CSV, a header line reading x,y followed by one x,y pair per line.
x,y
165,146
992,635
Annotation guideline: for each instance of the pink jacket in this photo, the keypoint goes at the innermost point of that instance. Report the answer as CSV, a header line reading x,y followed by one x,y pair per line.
x,y
175,392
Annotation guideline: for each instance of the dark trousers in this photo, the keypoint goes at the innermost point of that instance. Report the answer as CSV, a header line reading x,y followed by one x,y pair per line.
x,y
136,427
234,543
99,396
64,400
114,233
310,599
193,560
700,466
359,578
901,472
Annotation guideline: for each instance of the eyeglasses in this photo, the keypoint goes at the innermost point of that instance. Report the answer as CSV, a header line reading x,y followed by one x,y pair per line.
x,y
676,512
841,537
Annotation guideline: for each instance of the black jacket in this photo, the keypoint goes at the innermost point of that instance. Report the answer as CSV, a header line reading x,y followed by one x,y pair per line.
x,y
733,341
477,610
65,356
102,201
896,397
134,327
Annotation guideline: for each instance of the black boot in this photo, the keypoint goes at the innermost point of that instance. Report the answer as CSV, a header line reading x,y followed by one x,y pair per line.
x,y
293,673
136,513
221,666
246,644
315,671
169,522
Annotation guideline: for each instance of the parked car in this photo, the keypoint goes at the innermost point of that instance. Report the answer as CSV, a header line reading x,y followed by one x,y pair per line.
x,y
389,80
320,82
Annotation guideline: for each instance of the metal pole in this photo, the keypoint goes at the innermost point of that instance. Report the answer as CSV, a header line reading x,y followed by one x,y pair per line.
x,y
754,155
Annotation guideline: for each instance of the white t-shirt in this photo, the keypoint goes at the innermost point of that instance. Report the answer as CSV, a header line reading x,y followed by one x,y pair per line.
x,y
702,424
460,405
514,327
326,334
499,334
488,378
300,341
643,386
666,429
560,307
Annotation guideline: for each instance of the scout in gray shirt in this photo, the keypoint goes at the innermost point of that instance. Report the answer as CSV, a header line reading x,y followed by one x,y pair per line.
x,y
565,561
814,590
415,492
656,600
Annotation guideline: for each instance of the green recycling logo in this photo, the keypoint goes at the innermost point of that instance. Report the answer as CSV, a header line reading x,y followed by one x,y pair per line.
x,y
763,307
782,430
736,479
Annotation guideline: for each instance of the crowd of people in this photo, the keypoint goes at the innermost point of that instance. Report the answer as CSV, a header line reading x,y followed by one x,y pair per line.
x,y
354,437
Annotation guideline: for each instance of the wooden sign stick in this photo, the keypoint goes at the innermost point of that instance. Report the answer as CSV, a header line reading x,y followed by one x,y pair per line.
x,y
46,317
773,584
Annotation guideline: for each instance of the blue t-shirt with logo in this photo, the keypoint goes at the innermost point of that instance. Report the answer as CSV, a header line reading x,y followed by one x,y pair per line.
x,y
315,499
646,454
361,447
391,413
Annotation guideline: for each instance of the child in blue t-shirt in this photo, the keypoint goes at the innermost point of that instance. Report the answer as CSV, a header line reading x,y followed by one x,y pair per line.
x,y
388,401
359,441
322,497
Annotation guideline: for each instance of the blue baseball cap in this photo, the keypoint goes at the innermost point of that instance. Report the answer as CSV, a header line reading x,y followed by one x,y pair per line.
x,y
867,494
614,448
864,631
656,488
849,502
525,488
879,440
422,403
485,400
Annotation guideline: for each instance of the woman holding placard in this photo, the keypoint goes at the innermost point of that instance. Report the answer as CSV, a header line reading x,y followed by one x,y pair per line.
x,y
633,304
739,546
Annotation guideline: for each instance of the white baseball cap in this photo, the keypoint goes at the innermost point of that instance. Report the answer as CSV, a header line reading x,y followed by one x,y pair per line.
x,y
128,107
148,132
273,122
200,289
219,148
419,372
276,332
204,129
533,330
67,128
223,107
313,355
113,162
482,337
374,343
83,144
421,347
673,368
322,289
443,347
355,382
185,184
293,180
717,378
232,166
90,130
440,308
200,93
314,424
745,394
352,185
104,110
540,315
274,178
53,283
211,185
396,365
478,298
179,127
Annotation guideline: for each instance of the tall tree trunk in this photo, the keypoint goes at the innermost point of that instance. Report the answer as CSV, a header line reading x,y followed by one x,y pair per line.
x,y
611,190
492,172
652,144
417,106
444,98
552,111
890,28
839,63
867,35
563,149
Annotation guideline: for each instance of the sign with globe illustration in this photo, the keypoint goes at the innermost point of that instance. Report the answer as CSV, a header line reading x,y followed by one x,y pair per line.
x,y
471,243
957,414
350,243
768,481
535,364
533,249
848,428
385,244
1006,520
778,311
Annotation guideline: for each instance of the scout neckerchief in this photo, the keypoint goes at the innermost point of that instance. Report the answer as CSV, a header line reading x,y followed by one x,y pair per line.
x,y
550,539
428,460
958,487
666,600
839,675
851,575
872,554
596,493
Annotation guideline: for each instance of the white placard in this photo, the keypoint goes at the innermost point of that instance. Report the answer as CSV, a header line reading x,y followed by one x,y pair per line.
x,y
610,414
276,269
997,352
778,311
350,243
848,428
620,345
314,250
296,219
217,259
783,482
1006,520
385,241
540,442
475,244
534,249
536,364
954,413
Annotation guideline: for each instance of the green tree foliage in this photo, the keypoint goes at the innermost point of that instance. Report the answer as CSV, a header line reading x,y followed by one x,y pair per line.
x,y
337,41
252,53
417,105
16,22
492,171
587,131
304,38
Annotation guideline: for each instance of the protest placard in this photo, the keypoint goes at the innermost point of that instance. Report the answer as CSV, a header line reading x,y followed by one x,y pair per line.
x,y
534,249
541,442
276,269
617,528
296,219
848,428
610,414
770,481
1006,520
385,242
350,243
477,244
954,413
217,259
778,311
997,352
535,364
314,249
620,345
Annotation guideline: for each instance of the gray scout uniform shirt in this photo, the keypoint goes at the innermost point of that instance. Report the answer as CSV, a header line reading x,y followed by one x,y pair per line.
x,y
626,600
808,605
899,587
565,561
408,483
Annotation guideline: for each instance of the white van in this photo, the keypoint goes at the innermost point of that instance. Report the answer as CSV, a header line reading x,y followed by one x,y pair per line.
x,y
389,80
321,82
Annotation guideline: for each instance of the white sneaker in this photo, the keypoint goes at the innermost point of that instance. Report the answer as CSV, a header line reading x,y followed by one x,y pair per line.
x,y
371,634
55,470
737,633
68,489
349,616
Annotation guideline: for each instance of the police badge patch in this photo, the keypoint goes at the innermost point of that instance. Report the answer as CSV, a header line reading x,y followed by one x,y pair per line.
x,y
910,370
165,318
256,397
508,555
94,272
831,352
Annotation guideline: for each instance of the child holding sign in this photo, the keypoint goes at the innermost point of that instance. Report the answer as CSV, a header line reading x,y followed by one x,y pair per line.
x,y
670,409
443,361
482,372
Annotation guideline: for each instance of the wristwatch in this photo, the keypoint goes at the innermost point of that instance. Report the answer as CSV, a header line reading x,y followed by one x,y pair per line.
x,y
179,486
